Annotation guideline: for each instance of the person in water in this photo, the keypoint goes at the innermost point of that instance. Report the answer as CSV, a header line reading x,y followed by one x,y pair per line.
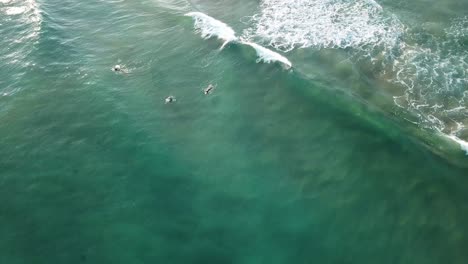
x,y
208,89
117,68
170,99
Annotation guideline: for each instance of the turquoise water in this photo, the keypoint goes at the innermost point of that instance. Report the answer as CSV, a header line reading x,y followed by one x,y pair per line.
x,y
352,155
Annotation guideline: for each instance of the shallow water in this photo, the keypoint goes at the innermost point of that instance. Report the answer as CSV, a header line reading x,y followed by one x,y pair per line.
x,y
328,161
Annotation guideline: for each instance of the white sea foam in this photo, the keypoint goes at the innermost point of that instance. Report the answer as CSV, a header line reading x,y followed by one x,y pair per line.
x,y
463,144
11,11
286,25
209,27
267,56
459,28
432,70
435,78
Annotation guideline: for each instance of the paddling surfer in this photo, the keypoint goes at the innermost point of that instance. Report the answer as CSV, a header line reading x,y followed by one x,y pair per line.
x,y
170,99
208,89
117,68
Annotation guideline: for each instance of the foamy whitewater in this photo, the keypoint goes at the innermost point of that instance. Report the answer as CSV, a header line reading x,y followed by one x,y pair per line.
x,y
267,56
209,27
286,25
435,80
434,77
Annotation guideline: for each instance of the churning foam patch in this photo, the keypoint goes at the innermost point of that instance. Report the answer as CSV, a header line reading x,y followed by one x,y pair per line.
x,y
286,25
435,78
209,27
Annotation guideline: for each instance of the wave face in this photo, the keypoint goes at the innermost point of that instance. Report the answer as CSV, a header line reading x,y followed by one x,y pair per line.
x,y
209,27
427,70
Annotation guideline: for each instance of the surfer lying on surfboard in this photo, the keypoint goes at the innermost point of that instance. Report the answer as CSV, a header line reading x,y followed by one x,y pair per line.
x,y
208,89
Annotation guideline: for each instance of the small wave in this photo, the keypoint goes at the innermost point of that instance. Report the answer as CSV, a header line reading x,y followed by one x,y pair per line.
x,y
268,56
209,27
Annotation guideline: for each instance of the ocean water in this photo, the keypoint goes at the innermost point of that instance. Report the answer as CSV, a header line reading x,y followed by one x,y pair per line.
x,y
336,133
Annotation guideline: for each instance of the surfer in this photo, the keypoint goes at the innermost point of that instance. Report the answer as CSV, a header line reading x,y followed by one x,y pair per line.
x,y
208,89
170,99
117,68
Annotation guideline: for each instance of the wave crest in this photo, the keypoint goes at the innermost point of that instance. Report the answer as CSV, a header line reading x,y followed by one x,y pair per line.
x,y
209,27
268,56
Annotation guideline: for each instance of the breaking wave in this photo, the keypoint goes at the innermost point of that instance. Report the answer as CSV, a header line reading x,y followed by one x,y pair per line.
x,y
267,56
209,27
431,70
